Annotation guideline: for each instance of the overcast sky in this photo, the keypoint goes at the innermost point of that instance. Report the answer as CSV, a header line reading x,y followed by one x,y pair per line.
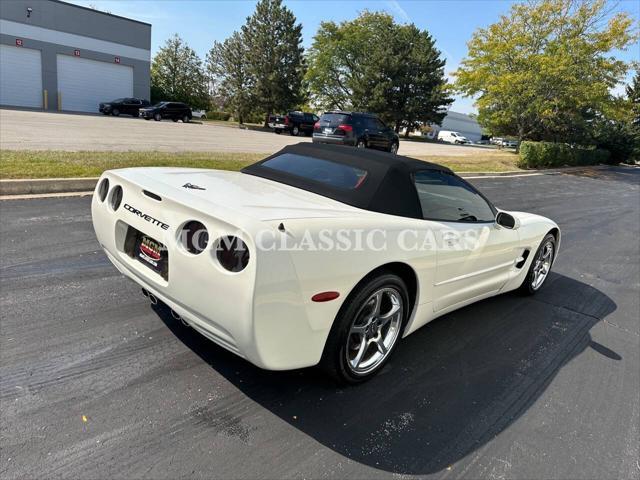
x,y
451,22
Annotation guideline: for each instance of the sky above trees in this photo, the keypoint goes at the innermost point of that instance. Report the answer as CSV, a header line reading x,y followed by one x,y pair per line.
x,y
450,22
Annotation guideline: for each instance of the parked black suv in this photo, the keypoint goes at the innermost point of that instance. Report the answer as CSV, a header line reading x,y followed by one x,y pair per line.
x,y
126,106
293,122
362,130
173,110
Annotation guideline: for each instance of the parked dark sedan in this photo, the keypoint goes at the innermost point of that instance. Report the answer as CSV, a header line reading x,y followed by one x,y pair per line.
x,y
125,106
173,110
357,129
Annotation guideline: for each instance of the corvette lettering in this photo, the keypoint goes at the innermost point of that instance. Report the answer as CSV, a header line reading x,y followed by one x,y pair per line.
x,y
148,218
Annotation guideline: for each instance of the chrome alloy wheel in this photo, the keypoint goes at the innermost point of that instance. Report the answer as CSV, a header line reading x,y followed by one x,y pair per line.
x,y
374,330
542,265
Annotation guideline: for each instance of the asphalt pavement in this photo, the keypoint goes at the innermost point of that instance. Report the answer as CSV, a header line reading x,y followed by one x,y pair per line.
x,y
94,383
35,130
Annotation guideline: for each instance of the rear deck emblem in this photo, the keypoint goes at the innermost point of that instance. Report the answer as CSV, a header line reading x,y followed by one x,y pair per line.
x,y
192,186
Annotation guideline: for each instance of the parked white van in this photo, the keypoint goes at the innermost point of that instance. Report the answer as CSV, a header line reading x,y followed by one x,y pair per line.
x,y
452,137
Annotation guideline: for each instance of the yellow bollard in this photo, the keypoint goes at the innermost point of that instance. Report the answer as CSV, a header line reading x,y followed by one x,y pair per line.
x,y
59,101
45,101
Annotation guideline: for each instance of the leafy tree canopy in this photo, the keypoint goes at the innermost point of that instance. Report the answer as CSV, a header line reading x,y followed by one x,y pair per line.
x,y
545,70
177,75
230,78
274,57
374,64
633,96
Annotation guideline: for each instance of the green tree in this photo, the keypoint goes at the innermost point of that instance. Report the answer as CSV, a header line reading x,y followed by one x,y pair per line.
x,y
274,56
544,71
177,74
229,75
633,96
372,63
416,90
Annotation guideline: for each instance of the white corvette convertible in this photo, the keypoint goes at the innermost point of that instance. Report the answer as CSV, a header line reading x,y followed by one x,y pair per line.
x,y
318,254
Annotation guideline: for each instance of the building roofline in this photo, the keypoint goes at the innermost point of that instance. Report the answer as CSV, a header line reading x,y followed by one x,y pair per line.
x,y
101,12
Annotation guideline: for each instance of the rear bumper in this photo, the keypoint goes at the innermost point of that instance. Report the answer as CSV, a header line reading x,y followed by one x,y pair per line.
x,y
333,140
207,328
257,313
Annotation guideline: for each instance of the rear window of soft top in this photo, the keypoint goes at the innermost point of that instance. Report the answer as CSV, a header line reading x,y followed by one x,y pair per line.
x,y
336,175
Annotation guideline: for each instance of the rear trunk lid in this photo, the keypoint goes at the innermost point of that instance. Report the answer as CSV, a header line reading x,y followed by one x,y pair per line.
x,y
230,194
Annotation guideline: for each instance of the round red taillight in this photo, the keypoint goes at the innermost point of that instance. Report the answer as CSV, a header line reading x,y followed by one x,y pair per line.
x,y
116,197
232,253
103,189
195,237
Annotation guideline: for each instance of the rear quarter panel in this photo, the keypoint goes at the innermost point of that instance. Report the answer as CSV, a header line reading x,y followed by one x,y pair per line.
x,y
287,279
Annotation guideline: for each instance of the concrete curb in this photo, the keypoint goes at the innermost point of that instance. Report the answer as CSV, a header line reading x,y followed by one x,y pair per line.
x,y
39,186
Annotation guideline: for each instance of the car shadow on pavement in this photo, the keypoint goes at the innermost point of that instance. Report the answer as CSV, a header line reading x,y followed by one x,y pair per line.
x,y
450,387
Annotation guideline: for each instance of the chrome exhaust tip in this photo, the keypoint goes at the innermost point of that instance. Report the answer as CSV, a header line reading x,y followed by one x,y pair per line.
x,y
152,298
178,317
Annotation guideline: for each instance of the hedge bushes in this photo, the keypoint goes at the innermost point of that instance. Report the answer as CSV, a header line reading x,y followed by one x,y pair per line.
x,y
213,115
549,155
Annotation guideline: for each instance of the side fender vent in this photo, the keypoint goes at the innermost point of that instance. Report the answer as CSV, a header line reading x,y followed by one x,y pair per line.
x,y
523,259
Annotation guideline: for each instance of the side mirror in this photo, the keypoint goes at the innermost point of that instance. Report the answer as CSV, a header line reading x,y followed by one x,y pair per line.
x,y
507,220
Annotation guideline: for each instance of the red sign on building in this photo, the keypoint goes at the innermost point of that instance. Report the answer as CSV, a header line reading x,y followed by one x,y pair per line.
x,y
76,53
18,42
117,59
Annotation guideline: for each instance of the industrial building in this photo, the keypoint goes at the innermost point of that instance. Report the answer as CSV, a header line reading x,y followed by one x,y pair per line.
x,y
464,124
59,56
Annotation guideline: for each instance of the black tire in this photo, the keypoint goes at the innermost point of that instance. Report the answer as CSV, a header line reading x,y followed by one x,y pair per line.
x,y
335,360
277,131
175,120
529,286
115,112
295,131
361,143
157,117
185,119
147,118
394,148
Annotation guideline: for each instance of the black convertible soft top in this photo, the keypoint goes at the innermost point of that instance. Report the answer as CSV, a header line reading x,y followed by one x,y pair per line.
x,y
388,188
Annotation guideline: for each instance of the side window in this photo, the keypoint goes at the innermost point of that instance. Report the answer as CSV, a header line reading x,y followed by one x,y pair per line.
x,y
445,197
379,124
370,123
